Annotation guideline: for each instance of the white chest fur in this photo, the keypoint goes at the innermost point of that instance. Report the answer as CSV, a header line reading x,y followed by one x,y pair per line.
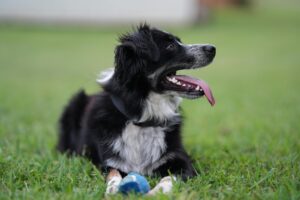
x,y
160,107
138,148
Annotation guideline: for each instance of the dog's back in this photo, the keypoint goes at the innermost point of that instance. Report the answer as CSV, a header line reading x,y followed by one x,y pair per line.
x,y
70,123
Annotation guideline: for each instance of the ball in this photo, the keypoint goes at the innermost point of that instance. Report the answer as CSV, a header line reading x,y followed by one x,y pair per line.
x,y
135,183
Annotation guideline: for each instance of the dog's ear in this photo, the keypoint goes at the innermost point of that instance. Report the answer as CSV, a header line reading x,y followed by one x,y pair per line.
x,y
126,61
134,52
131,57
147,50
146,47
141,44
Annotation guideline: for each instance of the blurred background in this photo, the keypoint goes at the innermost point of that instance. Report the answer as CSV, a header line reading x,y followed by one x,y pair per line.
x,y
50,49
113,12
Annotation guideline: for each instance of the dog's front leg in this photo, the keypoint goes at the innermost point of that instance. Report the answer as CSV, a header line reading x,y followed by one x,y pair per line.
x,y
113,180
165,185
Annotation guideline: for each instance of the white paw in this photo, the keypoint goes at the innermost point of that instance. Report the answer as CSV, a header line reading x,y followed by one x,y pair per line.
x,y
113,185
165,186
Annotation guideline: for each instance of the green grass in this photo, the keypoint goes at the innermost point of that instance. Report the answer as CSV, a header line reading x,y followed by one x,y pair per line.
x,y
246,147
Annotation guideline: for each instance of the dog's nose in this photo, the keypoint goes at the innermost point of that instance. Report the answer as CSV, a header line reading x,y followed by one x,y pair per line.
x,y
209,49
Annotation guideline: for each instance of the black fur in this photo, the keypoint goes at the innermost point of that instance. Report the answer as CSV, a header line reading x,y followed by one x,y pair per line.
x,y
90,124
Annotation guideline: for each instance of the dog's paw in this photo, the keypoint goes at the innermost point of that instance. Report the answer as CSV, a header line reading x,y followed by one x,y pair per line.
x,y
113,181
164,186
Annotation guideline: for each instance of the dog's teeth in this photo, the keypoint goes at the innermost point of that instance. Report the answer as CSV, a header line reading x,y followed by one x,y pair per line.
x,y
174,80
183,85
168,78
197,88
178,83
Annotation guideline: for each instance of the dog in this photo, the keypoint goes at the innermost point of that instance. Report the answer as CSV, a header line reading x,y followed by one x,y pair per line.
x,y
134,124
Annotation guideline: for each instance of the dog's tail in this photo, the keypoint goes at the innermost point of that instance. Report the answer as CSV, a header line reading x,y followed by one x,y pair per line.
x,y
70,123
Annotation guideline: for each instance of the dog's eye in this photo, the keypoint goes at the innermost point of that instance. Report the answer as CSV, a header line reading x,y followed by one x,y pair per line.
x,y
171,47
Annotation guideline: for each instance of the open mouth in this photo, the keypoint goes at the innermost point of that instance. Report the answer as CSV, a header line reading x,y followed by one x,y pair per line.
x,y
187,86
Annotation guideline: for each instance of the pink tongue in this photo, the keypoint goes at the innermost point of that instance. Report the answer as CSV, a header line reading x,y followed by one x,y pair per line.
x,y
201,84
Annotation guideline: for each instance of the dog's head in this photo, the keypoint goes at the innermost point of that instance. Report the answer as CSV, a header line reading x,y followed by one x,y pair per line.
x,y
148,60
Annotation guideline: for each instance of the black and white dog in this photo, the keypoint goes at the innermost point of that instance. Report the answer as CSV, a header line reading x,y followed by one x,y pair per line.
x,y
134,124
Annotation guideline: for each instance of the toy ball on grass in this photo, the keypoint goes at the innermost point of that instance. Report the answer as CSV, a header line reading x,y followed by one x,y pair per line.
x,y
134,182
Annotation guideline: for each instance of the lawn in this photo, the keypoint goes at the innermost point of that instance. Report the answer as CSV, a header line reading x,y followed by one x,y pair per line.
x,y
246,147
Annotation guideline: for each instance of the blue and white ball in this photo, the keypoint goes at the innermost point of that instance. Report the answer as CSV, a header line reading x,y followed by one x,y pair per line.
x,y
135,183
